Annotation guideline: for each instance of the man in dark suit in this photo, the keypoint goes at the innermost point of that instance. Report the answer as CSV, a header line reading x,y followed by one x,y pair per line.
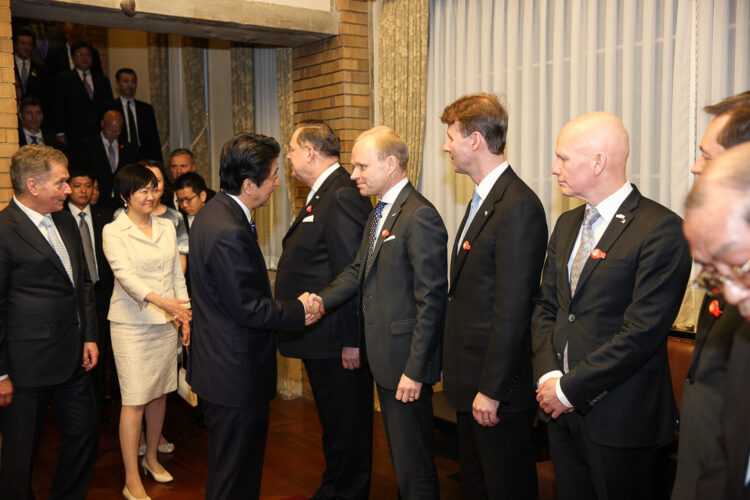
x,y
496,263
235,318
702,399
321,242
614,277
91,221
717,227
77,100
102,154
60,58
47,329
31,117
140,122
399,278
190,191
29,73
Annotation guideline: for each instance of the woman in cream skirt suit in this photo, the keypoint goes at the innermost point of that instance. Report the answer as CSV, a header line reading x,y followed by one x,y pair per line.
x,y
148,302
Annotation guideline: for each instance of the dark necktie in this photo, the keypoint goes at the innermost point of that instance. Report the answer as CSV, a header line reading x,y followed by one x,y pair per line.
x,y
373,234
111,157
34,139
88,250
253,230
24,74
132,125
88,87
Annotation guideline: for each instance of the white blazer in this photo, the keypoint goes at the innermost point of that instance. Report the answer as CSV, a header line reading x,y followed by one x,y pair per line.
x,y
142,265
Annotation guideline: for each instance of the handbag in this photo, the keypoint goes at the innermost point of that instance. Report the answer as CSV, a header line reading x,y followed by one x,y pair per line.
x,y
183,388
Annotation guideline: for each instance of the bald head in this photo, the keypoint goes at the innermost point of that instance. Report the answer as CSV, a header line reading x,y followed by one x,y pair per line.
x,y
592,152
111,125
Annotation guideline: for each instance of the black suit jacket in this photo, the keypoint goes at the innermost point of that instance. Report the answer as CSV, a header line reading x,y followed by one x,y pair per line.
x,y
49,140
723,476
44,318
72,112
703,398
321,242
36,85
402,297
487,345
92,157
57,60
617,323
233,351
148,133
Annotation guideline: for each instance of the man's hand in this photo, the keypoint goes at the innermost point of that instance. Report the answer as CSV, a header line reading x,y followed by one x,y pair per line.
x,y
408,390
90,355
350,358
548,400
313,307
6,391
484,410
185,334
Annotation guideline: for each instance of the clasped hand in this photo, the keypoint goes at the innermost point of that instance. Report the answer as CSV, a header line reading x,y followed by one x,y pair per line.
x,y
314,309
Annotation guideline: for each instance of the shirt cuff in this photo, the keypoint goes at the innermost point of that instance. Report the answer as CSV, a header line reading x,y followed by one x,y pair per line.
x,y
550,374
3,377
561,395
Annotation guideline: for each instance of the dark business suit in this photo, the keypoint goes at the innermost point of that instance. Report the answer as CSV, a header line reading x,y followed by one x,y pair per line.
x,y
703,399
36,83
72,113
233,353
487,345
723,475
58,60
616,327
93,159
402,307
48,139
148,133
322,241
44,321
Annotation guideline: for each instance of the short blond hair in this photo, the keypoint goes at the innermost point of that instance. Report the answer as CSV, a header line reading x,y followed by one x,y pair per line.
x,y
33,161
388,143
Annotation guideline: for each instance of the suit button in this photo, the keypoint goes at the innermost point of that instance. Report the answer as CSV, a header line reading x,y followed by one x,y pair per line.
x,y
571,317
558,356
450,298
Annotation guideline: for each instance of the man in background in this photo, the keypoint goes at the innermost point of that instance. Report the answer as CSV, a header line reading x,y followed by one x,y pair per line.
x,y
190,189
30,73
31,117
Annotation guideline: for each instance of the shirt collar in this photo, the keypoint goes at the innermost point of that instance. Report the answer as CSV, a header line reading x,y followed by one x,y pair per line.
x,y
105,141
82,73
19,61
75,210
126,100
609,206
484,187
242,206
322,177
35,216
391,195
31,134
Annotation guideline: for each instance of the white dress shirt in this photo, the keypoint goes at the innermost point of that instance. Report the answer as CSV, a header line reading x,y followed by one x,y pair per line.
x,y
29,135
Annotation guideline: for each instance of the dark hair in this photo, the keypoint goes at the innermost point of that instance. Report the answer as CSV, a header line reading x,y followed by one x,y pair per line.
x,y
80,44
167,195
29,101
77,172
737,128
25,31
131,178
724,105
320,136
190,180
124,70
182,151
246,156
481,113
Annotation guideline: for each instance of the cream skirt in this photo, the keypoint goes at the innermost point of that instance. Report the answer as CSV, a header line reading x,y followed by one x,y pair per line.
x,y
146,360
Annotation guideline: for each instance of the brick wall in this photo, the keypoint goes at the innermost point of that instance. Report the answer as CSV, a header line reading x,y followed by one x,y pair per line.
x,y
8,117
332,81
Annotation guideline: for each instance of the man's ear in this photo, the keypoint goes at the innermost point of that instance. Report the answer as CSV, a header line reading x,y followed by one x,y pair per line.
x,y
600,162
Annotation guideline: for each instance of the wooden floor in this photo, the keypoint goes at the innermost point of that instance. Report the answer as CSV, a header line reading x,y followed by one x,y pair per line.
x,y
293,463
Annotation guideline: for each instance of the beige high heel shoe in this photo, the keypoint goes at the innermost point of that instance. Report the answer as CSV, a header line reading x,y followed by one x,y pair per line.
x,y
126,494
159,477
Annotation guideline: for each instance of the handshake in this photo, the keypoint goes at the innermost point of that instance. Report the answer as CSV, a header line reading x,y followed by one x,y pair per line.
x,y
313,307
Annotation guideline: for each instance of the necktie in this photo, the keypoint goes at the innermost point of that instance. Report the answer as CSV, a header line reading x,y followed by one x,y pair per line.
x,y
253,230
585,247
373,234
88,250
24,74
87,85
34,139
111,157
473,207
41,44
310,196
132,126
57,245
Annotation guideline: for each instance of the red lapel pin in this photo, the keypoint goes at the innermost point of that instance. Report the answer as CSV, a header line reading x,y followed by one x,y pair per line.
x,y
598,254
713,308
309,208
385,233
466,245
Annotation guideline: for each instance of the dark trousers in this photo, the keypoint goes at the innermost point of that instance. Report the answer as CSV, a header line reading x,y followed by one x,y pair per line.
x,y
409,429
106,361
587,470
344,402
23,421
497,462
236,444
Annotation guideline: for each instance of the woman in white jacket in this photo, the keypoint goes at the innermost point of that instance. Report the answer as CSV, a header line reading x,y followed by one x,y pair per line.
x,y
148,301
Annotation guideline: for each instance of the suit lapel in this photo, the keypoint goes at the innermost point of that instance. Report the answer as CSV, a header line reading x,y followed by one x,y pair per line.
x,y
622,219
313,201
567,240
705,323
484,212
387,223
69,242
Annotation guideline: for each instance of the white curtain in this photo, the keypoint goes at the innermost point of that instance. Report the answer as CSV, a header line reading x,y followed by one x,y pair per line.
x,y
179,124
268,122
653,63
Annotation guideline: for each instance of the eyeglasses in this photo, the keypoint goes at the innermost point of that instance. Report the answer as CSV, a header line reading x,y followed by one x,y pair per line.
x,y
711,281
183,201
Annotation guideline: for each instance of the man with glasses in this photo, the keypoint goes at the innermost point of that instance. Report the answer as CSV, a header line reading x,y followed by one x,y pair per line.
x,y
717,226
190,190
702,400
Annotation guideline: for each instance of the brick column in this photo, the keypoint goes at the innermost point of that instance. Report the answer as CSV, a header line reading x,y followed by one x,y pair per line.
x,y
8,115
332,81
